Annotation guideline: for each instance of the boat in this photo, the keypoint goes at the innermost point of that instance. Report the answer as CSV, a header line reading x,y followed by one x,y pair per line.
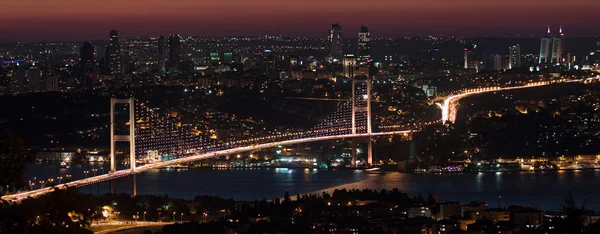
x,y
63,164
372,169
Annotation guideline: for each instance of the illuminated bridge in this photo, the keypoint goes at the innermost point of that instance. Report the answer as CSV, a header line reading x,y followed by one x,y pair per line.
x,y
151,131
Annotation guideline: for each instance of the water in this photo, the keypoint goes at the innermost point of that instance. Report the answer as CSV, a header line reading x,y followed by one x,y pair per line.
x,y
538,189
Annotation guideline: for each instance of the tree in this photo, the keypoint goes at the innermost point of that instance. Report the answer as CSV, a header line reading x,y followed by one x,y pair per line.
x,y
573,222
62,211
13,162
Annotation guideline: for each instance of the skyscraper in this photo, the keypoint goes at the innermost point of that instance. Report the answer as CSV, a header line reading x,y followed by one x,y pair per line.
x,y
497,61
597,53
471,58
349,64
364,44
335,43
558,47
113,54
546,48
87,63
161,54
514,56
174,48
86,54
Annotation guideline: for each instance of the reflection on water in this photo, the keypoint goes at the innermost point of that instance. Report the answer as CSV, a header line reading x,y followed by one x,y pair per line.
x,y
540,189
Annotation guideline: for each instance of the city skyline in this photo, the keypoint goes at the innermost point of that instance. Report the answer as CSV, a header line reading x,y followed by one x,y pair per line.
x,y
72,20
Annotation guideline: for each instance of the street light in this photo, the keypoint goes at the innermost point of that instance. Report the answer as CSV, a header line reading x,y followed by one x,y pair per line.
x,y
173,216
144,216
86,173
182,217
59,179
68,177
30,184
102,168
94,170
41,184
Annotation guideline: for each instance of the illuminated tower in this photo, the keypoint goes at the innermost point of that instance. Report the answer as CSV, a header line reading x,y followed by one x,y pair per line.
x,y
514,56
364,44
128,138
546,48
471,60
349,64
113,54
335,43
558,47
361,114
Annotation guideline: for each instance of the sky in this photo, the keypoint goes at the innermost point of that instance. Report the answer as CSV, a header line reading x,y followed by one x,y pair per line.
x,y
41,20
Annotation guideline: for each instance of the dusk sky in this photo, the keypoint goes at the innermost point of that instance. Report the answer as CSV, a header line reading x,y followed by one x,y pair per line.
x,y
38,20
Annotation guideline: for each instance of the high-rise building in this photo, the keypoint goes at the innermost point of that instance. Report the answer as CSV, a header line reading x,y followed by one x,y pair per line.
x,y
113,54
214,58
87,63
86,55
34,80
497,62
268,63
51,83
514,56
546,48
558,47
349,64
471,58
174,48
18,82
335,43
597,53
364,44
227,57
161,54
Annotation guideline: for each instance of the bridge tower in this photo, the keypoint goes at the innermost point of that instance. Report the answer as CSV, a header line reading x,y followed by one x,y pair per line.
x,y
361,113
115,138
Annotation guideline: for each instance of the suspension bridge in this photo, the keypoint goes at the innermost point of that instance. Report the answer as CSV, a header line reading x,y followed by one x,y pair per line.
x,y
151,131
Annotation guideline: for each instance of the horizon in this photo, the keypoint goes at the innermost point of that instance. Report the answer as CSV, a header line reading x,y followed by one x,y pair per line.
x,y
285,36
63,20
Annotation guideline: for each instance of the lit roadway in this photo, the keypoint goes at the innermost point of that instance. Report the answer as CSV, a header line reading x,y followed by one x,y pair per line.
x,y
128,172
449,108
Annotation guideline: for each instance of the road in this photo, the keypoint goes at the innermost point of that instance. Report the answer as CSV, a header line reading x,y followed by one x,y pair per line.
x,y
449,106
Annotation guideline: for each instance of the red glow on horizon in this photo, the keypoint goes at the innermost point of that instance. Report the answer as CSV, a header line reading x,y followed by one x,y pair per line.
x,y
74,19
